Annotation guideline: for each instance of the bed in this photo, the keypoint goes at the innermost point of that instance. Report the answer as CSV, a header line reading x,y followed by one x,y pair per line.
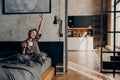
x,y
10,70
15,71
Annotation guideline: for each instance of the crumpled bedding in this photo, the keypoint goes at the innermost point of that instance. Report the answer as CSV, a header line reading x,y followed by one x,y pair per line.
x,y
23,72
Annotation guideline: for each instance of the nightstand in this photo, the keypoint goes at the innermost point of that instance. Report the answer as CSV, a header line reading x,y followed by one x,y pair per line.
x,y
60,68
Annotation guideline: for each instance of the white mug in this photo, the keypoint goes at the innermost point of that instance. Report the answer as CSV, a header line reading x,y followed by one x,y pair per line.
x,y
30,43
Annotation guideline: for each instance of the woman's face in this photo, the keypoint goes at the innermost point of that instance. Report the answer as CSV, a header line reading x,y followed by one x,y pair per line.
x,y
33,34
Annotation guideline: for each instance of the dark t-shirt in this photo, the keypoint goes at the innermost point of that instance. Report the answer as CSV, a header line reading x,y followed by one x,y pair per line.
x,y
32,45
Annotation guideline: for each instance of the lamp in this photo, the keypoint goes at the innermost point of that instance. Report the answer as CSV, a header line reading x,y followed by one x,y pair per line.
x,y
57,20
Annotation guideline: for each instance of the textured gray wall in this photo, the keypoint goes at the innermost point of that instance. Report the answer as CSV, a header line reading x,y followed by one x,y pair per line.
x,y
84,7
16,27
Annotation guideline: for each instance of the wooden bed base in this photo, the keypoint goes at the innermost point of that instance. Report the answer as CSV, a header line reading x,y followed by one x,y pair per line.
x,y
48,74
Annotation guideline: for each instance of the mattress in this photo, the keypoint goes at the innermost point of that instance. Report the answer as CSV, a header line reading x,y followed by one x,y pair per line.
x,y
23,72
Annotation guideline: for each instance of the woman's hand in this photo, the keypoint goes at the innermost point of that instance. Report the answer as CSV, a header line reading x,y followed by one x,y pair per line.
x,y
41,15
41,24
24,47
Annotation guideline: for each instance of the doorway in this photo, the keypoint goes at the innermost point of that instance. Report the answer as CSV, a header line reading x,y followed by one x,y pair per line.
x,y
100,27
84,34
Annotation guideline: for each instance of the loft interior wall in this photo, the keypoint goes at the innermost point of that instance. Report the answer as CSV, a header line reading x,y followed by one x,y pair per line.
x,y
84,7
109,2
15,27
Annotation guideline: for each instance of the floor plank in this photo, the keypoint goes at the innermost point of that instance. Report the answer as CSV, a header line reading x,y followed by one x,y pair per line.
x,y
71,75
48,74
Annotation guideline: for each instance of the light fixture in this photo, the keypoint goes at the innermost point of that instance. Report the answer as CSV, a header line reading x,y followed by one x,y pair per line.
x,y
57,20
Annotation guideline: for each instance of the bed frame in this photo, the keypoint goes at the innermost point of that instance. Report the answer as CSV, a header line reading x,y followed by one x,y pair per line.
x,y
53,50
48,74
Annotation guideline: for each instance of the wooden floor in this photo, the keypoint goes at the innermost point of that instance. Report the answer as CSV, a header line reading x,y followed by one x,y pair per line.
x,y
48,74
84,65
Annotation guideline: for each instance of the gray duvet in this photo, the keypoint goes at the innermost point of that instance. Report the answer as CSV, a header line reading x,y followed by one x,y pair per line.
x,y
22,72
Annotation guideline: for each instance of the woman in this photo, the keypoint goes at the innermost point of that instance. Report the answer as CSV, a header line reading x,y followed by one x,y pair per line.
x,y
30,45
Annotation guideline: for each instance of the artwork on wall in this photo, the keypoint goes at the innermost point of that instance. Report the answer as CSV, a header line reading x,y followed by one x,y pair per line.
x,y
26,6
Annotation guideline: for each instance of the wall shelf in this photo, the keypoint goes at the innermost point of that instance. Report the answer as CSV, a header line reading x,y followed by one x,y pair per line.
x,y
79,28
80,32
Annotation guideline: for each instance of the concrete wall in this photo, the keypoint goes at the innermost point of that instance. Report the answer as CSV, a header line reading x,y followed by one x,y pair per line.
x,y
84,7
15,27
109,22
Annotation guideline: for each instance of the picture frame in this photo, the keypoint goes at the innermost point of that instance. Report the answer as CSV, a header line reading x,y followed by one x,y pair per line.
x,y
26,6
